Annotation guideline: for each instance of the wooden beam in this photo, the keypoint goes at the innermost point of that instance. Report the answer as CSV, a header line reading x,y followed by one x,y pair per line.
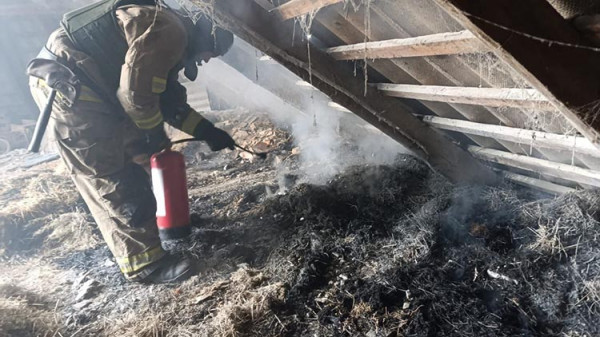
x,y
552,169
469,73
538,43
533,138
295,8
541,185
260,28
463,42
390,20
492,97
349,28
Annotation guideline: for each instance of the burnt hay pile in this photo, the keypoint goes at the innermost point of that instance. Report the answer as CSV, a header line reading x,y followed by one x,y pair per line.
x,y
394,251
378,251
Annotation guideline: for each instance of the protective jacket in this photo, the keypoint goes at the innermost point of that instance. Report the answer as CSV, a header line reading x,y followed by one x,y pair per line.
x,y
94,30
132,51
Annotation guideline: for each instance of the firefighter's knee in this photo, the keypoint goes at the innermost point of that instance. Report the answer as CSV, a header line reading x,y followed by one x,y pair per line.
x,y
130,198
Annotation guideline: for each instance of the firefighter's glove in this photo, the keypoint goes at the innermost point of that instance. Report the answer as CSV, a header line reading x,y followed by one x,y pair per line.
x,y
216,138
155,140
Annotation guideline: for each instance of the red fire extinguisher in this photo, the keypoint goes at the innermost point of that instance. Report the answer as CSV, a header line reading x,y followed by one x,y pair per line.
x,y
170,190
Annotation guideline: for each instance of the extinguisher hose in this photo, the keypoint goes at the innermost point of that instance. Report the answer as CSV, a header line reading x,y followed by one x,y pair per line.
x,y
261,155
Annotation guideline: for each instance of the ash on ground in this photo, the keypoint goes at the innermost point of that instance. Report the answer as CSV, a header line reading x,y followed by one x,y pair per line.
x,y
392,250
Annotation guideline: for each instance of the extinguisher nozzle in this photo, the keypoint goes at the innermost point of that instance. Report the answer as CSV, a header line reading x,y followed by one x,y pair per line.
x,y
261,155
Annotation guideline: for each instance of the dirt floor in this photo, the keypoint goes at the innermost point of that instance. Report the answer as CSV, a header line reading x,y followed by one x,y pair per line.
x,y
376,251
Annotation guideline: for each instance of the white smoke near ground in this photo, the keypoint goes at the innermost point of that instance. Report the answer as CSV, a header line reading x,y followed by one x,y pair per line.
x,y
330,138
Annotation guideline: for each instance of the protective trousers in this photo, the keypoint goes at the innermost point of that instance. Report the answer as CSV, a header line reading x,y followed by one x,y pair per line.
x,y
95,143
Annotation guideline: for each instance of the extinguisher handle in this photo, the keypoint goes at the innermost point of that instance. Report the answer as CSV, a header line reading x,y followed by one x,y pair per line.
x,y
42,123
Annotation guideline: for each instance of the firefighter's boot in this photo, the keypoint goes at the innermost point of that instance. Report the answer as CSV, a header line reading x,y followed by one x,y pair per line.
x,y
170,269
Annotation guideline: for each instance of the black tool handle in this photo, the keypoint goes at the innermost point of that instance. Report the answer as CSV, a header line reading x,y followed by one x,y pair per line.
x,y
42,123
261,155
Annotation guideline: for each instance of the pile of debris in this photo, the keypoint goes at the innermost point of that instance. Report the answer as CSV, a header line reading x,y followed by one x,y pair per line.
x,y
390,250
387,251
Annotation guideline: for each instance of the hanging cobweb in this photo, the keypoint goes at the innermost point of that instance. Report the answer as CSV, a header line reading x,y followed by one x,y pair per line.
x,y
196,9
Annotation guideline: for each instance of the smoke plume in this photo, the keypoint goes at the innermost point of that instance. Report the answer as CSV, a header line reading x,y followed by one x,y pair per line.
x,y
330,137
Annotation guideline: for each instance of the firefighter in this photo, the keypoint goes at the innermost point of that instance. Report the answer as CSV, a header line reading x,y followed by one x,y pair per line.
x,y
127,55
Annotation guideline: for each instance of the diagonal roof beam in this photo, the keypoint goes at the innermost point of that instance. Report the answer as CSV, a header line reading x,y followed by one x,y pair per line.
x,y
576,144
521,34
494,97
260,28
428,45
542,185
295,8
536,165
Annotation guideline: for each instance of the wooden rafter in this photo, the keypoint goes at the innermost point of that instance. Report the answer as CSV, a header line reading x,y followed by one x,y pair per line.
x,y
548,140
404,19
533,39
428,45
295,8
541,185
541,166
260,28
347,27
492,97
407,15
